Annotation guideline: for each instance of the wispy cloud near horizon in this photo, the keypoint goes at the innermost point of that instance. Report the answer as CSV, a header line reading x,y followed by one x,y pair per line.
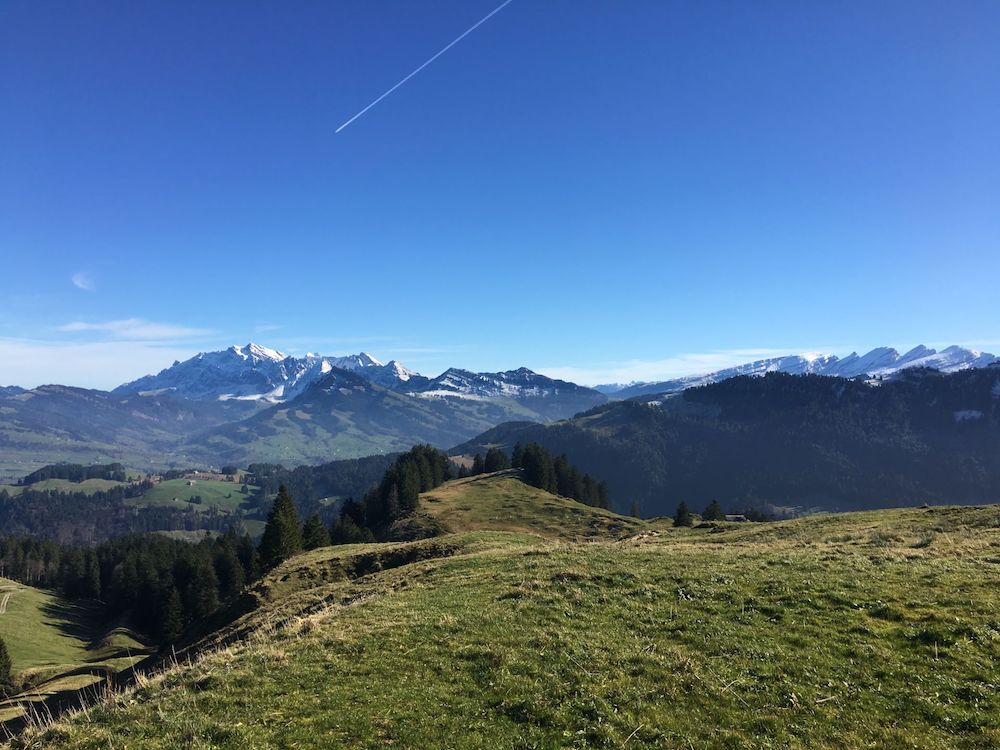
x,y
136,329
84,280
93,364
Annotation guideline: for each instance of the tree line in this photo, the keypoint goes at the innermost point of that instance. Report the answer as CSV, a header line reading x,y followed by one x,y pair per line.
x,y
162,584
558,476
77,473
90,518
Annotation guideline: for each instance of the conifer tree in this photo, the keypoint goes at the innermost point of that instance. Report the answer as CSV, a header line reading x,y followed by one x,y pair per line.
x,y
6,669
478,465
410,489
171,616
713,512
683,516
496,460
634,511
517,456
249,559
347,531
282,535
314,533
228,569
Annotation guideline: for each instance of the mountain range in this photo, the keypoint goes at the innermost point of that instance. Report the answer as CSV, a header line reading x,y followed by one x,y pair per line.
x,y
881,362
253,403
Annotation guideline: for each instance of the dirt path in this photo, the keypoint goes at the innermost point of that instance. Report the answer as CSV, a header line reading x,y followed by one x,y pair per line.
x,y
3,602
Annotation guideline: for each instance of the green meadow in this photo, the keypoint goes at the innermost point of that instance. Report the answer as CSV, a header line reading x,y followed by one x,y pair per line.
x,y
56,645
876,630
213,493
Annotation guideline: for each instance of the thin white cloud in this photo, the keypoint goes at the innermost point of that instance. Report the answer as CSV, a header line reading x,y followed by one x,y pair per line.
x,y
662,369
84,280
101,364
135,329
266,328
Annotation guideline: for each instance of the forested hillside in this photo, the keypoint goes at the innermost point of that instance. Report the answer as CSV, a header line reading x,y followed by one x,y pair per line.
x,y
75,513
786,440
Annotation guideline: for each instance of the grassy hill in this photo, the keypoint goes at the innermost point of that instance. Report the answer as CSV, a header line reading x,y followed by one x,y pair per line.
x,y
57,645
213,494
501,502
874,629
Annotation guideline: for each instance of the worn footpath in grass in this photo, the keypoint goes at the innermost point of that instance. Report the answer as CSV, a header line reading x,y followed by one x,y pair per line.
x,y
863,630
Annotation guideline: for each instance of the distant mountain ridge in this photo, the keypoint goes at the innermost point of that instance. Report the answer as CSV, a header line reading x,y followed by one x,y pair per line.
x,y
257,373
255,403
808,441
254,372
878,363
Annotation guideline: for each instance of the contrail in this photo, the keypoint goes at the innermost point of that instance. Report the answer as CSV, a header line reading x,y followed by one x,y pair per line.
x,y
455,41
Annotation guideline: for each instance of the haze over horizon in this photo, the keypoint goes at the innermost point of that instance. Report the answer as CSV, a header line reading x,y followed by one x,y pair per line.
x,y
596,194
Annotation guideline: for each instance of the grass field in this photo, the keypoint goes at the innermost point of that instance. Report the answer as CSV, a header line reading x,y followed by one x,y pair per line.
x,y
57,645
40,629
873,630
177,492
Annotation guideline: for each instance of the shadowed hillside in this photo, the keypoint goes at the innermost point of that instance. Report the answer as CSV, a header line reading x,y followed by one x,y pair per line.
x,y
802,441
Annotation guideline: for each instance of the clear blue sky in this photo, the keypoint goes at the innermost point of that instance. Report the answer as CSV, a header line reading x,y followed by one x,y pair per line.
x,y
599,189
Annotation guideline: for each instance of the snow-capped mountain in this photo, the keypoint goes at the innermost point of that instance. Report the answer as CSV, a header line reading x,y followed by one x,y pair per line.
x,y
878,363
394,375
257,373
252,373
552,399
510,384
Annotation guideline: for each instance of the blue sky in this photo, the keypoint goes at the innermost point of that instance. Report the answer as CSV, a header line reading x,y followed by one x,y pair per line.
x,y
599,190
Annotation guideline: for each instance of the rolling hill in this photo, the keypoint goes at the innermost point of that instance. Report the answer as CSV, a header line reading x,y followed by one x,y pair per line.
x,y
871,629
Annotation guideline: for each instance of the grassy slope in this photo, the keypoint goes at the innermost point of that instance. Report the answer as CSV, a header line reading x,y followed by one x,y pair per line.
x,y
866,630
503,503
225,495
35,626
52,643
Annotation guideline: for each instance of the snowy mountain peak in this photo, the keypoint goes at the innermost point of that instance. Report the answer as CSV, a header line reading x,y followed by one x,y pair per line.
x,y
368,360
397,369
259,373
880,362
256,351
